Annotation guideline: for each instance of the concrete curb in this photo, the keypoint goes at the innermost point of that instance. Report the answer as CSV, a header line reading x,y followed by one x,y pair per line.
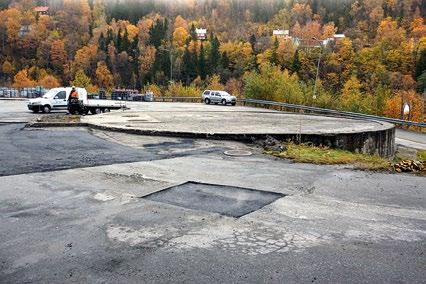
x,y
14,99
56,124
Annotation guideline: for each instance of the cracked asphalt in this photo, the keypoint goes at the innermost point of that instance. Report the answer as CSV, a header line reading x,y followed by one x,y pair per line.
x,y
77,217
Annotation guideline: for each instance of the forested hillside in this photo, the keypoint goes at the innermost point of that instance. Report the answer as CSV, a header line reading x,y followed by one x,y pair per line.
x,y
378,65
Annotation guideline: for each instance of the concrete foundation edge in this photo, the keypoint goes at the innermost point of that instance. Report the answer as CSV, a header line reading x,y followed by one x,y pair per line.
x,y
380,142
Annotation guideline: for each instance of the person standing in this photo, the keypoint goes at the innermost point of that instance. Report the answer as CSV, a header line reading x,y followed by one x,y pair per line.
x,y
73,101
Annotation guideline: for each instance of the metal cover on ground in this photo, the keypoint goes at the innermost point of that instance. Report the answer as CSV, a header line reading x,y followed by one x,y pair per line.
x,y
237,153
226,200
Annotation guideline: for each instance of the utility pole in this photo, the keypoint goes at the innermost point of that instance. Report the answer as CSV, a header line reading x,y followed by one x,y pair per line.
x,y
318,65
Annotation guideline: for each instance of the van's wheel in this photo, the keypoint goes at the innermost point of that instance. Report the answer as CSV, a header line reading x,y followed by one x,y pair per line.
x,y
207,101
107,110
224,102
46,109
97,110
233,104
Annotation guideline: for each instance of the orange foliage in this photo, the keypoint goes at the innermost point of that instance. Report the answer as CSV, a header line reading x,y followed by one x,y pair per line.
x,y
104,76
49,82
58,55
21,80
414,100
180,23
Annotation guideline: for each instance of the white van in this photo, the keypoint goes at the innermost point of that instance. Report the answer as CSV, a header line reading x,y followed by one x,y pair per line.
x,y
57,99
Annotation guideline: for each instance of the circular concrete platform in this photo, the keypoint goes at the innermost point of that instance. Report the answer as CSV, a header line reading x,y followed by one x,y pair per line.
x,y
245,123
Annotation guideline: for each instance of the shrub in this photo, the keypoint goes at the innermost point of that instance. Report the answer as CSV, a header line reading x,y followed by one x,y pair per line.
x,y
179,90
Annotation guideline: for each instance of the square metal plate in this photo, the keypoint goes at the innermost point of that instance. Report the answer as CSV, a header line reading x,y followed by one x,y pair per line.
x,y
226,200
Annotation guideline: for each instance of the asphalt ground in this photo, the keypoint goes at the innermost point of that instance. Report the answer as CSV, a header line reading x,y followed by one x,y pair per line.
x,y
95,222
26,150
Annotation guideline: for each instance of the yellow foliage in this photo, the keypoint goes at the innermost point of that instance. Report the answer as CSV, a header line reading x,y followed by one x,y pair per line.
x,y
7,67
179,37
179,90
214,83
238,52
155,89
104,76
132,31
84,57
352,99
328,30
388,30
263,58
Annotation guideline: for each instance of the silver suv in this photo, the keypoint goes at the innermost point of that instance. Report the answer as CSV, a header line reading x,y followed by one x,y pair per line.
x,y
218,97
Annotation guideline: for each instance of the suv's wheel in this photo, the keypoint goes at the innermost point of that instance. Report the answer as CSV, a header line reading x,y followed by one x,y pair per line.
x,y
46,109
36,110
207,101
224,102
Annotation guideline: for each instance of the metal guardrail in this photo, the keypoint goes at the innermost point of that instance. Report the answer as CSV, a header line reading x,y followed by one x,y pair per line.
x,y
178,99
336,112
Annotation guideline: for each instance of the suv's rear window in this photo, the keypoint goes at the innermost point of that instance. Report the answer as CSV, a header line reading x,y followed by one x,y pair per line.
x,y
206,92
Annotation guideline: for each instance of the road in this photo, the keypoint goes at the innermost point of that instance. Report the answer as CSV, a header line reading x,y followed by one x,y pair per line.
x,y
76,216
410,139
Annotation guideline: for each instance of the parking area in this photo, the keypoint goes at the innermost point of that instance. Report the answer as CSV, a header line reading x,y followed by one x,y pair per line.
x,y
80,205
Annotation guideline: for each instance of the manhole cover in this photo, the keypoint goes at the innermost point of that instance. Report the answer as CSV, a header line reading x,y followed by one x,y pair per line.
x,y
226,200
237,153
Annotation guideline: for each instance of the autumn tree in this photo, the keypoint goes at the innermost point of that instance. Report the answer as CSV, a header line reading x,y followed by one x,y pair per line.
x,y
81,80
180,23
352,99
22,80
49,81
180,36
58,56
7,68
104,77
86,59
274,55
146,61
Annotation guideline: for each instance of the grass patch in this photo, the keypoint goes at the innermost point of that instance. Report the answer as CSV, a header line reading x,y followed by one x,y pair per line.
x,y
305,153
421,155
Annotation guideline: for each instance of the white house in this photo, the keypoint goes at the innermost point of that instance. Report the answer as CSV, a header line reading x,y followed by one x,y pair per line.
x,y
280,33
41,10
201,33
